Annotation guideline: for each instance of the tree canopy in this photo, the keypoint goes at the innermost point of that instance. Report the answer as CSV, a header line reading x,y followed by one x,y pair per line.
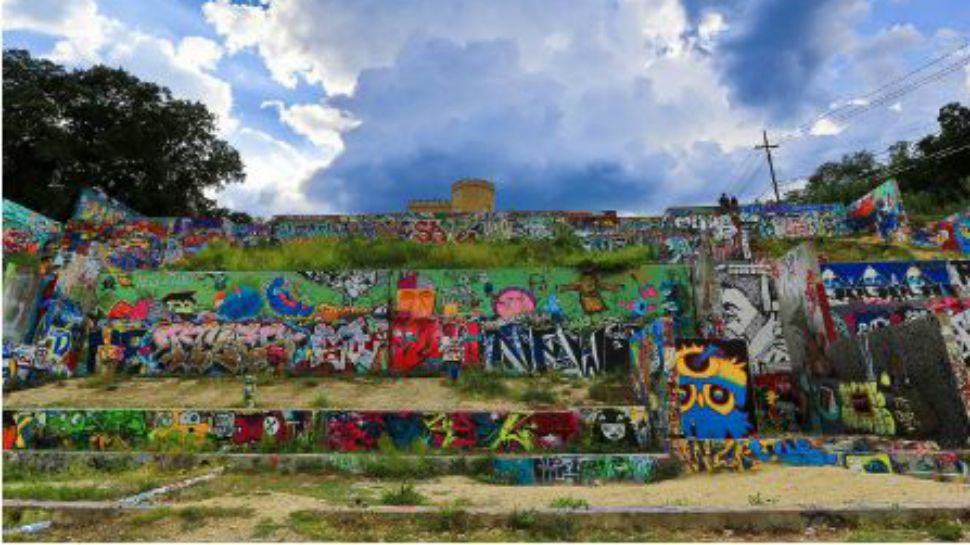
x,y
933,172
102,127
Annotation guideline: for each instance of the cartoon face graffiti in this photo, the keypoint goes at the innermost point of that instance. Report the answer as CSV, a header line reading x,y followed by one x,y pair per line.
x,y
873,282
915,280
613,426
513,302
416,302
712,385
180,303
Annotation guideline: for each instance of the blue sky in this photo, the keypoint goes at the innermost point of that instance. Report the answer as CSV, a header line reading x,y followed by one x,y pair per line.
x,y
628,105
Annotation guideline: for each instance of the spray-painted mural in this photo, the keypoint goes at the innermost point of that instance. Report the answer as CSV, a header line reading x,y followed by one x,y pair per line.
x,y
93,205
884,282
802,305
576,469
713,389
608,429
880,211
748,312
26,231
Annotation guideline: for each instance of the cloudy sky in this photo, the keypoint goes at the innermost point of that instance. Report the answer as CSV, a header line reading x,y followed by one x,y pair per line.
x,y
359,105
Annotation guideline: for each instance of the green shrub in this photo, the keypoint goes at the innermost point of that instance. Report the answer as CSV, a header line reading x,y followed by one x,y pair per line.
x,y
945,530
403,495
482,383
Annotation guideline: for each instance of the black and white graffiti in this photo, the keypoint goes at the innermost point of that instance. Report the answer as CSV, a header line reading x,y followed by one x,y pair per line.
x,y
749,310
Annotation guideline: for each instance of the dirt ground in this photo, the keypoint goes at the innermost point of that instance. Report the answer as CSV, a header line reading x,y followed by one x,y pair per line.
x,y
275,506
430,394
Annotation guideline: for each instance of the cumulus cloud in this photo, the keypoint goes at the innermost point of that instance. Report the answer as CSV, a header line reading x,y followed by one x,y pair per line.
x,y
320,124
82,28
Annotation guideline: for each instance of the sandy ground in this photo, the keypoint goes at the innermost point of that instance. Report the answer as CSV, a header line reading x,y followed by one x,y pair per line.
x,y
432,394
769,486
772,486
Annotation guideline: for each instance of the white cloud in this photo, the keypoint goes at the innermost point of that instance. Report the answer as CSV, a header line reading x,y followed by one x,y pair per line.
x,y
83,29
320,124
826,127
275,171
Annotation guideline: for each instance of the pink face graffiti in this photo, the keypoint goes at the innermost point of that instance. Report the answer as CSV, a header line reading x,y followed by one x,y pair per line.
x,y
513,302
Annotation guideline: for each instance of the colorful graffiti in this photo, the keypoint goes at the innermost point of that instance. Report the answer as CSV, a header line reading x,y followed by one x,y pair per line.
x,y
700,455
880,211
885,282
333,431
713,389
26,231
576,469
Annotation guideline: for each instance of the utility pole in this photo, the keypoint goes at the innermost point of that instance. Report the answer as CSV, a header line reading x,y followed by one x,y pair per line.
x,y
771,165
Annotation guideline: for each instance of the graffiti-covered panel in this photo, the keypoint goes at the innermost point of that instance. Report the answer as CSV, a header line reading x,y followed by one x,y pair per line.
x,y
713,389
174,296
749,312
885,282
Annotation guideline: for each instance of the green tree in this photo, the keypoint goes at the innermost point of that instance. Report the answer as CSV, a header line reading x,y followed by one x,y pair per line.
x,y
933,173
103,127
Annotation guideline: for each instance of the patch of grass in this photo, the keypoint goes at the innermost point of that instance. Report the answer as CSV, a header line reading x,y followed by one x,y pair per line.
x,y
321,402
449,519
945,530
354,253
195,516
757,499
567,502
79,481
534,395
265,528
405,494
481,383
611,389
543,527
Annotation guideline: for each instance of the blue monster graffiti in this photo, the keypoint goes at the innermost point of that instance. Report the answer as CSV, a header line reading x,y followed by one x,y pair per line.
x,y
239,303
712,381
284,301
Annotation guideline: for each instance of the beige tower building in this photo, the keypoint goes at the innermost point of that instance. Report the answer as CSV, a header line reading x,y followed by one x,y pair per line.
x,y
467,195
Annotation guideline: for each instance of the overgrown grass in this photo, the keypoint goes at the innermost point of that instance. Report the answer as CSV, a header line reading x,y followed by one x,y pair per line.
x,y
534,395
405,494
481,383
355,253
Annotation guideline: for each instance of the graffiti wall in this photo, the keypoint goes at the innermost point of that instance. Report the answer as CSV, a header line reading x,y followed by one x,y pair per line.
x,y
94,206
898,381
880,212
700,455
576,469
885,282
714,397
781,221
748,309
607,429
206,296
802,305
26,231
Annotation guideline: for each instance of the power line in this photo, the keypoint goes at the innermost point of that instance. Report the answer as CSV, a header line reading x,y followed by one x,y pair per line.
x,y
849,111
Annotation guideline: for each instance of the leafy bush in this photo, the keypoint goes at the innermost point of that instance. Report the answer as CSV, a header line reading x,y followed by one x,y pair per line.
x,y
403,495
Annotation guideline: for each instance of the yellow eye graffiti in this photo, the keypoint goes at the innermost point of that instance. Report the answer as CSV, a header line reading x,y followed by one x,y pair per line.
x,y
688,396
718,398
